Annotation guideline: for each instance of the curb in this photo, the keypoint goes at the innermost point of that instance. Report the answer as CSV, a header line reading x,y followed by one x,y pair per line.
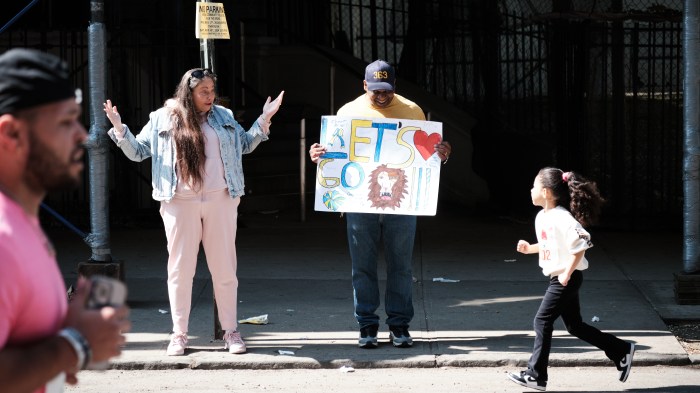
x,y
269,362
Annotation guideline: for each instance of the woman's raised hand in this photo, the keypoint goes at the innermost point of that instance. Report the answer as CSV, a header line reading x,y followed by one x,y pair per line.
x,y
113,116
271,107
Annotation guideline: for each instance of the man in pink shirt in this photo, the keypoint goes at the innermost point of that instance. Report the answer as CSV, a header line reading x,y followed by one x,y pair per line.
x,y
43,338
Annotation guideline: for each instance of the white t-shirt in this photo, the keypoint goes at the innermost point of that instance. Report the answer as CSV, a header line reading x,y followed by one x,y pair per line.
x,y
560,236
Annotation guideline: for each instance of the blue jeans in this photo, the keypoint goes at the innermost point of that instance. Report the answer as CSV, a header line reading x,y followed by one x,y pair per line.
x,y
365,232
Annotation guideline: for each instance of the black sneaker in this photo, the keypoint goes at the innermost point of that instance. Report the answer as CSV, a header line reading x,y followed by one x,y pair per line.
x,y
368,336
625,364
524,379
400,337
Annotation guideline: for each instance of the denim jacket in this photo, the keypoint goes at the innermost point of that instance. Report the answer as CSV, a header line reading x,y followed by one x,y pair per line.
x,y
156,140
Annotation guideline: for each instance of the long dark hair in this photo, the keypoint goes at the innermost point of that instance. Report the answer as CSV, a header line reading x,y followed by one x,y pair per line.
x,y
575,193
189,140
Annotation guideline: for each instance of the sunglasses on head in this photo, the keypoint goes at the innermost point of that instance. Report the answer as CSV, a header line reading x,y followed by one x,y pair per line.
x,y
201,73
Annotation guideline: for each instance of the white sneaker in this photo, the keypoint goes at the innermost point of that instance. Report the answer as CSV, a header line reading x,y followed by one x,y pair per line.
x,y
178,343
524,379
625,364
233,342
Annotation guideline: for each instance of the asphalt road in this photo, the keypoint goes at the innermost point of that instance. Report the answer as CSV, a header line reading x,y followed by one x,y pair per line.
x,y
655,379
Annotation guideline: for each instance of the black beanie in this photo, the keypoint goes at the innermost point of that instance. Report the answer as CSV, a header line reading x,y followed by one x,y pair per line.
x,y
30,78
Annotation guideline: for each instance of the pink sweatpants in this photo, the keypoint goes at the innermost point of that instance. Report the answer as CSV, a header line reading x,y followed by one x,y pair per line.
x,y
209,218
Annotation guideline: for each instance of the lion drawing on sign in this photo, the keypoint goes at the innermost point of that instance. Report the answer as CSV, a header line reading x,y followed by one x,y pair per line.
x,y
387,187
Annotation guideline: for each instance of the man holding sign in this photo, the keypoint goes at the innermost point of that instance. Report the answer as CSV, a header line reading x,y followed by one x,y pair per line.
x,y
366,230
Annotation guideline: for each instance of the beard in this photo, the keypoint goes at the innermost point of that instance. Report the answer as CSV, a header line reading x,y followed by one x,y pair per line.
x,y
46,171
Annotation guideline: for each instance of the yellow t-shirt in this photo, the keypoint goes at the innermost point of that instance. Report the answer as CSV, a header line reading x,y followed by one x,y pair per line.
x,y
399,108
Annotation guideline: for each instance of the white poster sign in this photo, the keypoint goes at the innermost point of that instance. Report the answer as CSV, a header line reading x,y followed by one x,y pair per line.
x,y
378,165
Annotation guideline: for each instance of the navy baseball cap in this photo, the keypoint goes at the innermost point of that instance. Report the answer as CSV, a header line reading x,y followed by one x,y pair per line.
x,y
380,75
30,78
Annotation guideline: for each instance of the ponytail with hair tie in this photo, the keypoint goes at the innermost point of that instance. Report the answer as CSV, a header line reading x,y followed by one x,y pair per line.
x,y
574,192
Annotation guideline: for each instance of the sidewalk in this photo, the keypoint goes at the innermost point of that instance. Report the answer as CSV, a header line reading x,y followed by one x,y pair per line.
x,y
299,275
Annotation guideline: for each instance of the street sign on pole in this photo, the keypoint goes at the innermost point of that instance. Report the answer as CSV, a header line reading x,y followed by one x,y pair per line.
x,y
211,21
210,24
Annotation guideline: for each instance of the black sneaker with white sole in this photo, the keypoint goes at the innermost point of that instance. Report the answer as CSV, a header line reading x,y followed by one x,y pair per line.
x,y
400,337
527,380
625,364
368,336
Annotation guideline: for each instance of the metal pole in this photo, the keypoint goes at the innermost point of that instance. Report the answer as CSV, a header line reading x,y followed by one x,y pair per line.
x,y
242,38
206,51
206,55
98,142
691,153
302,169
373,28
332,89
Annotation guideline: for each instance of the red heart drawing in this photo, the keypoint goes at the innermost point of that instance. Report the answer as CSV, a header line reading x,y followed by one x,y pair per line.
x,y
425,143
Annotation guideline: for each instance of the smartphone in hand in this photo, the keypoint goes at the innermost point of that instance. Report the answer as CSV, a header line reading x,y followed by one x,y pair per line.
x,y
105,291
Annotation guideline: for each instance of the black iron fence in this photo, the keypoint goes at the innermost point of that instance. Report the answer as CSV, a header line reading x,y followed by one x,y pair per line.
x,y
594,86
149,46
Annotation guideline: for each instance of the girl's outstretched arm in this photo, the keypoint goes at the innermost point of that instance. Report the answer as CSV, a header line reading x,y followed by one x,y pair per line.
x,y
527,248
